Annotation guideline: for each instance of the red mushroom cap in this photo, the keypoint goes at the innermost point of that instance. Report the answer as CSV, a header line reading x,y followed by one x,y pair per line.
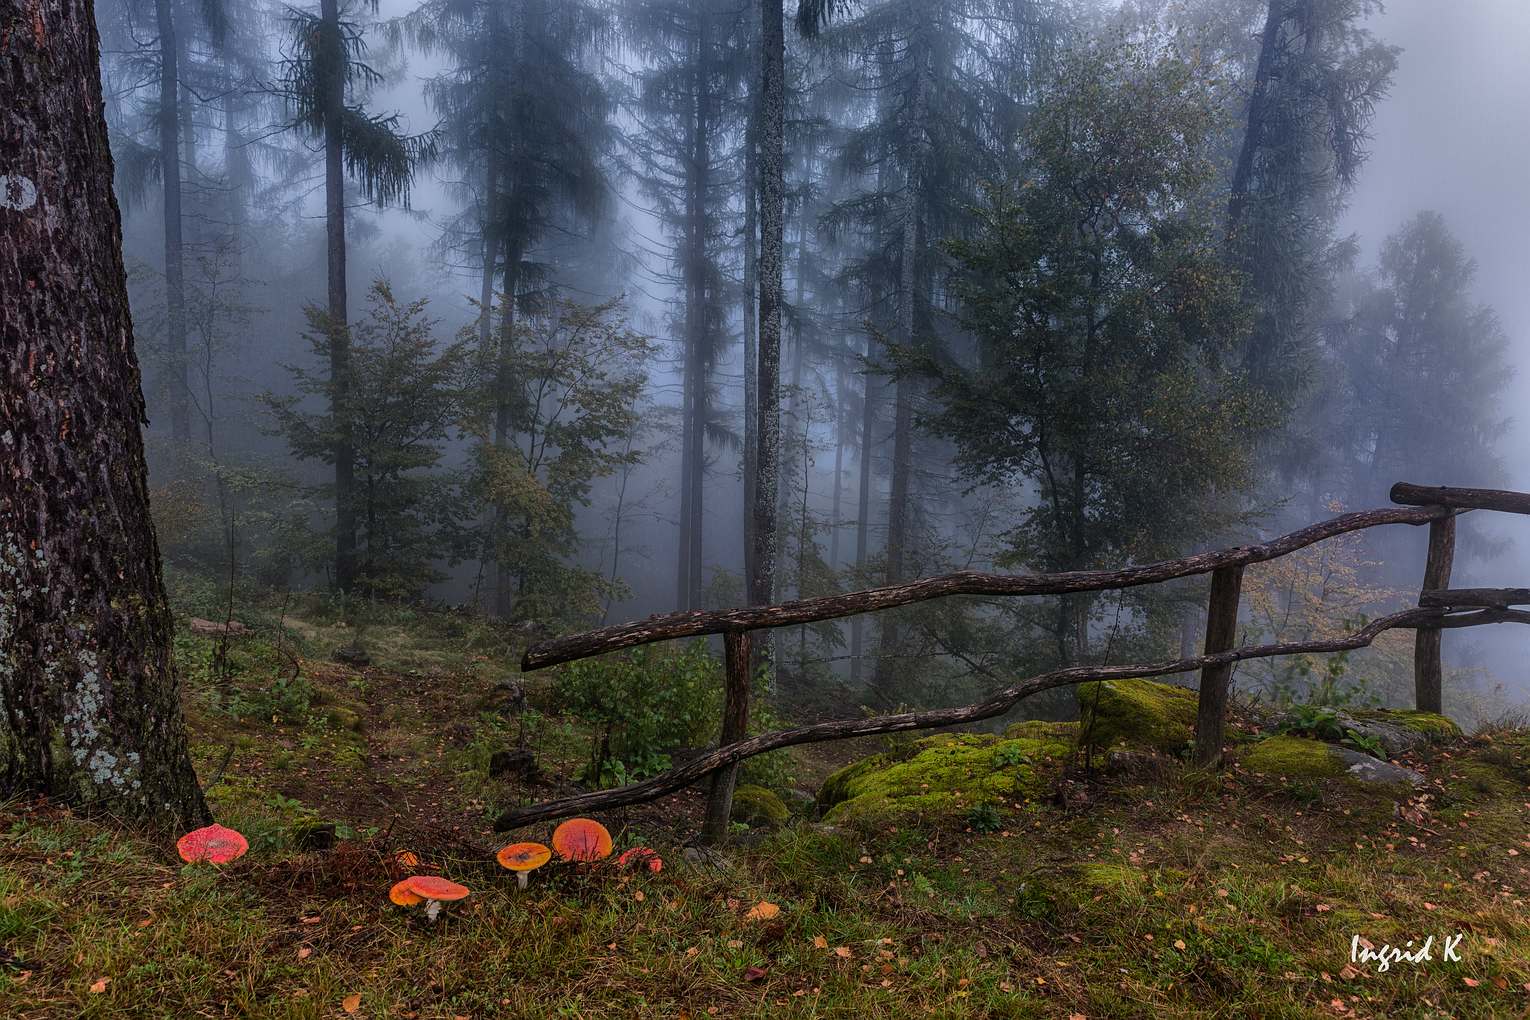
x,y
641,855
216,843
582,839
433,887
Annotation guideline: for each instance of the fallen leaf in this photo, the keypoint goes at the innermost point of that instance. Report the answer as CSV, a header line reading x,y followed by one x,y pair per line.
x,y
762,911
843,952
1179,943
754,973
351,1003
1323,908
819,942
735,944
1471,982
304,952
100,985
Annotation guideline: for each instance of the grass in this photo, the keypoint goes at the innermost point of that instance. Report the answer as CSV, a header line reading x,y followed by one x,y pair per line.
x,y
1183,896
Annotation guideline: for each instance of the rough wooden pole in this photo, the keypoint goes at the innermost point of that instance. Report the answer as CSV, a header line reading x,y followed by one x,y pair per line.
x,y
1221,634
735,726
1427,670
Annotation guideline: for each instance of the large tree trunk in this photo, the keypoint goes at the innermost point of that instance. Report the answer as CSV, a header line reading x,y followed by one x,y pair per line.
x,y
863,507
1253,134
697,333
505,589
339,329
91,709
751,323
888,653
772,194
170,178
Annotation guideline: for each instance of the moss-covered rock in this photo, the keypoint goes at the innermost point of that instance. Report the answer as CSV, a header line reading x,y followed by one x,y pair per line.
x,y
1294,758
757,807
945,774
1436,727
1141,713
1313,761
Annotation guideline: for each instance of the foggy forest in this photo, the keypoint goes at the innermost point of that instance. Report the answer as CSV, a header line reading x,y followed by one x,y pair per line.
x,y
850,508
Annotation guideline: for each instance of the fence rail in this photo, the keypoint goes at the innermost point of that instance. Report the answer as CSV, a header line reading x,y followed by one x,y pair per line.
x,y
1439,609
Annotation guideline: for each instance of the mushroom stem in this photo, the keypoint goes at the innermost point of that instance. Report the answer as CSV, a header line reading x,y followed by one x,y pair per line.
x,y
432,909
520,878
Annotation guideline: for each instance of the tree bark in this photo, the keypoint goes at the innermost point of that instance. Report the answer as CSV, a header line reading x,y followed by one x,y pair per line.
x,y
333,87
504,398
772,196
888,652
863,504
170,180
1221,635
735,727
1428,672
91,708
1253,133
751,324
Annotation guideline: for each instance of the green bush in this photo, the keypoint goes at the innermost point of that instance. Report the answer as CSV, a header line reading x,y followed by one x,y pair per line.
x,y
645,704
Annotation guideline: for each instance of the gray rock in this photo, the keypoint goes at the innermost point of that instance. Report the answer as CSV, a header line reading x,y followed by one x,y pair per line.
x,y
1394,738
1363,767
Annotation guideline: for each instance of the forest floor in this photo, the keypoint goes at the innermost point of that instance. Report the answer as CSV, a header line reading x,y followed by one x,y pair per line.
x,y
1179,894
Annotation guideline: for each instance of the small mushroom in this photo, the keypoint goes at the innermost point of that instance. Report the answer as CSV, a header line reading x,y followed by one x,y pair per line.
x,y
216,843
523,859
641,855
431,889
582,839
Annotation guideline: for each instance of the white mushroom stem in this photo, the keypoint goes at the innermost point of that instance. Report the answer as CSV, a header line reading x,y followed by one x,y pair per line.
x,y
432,909
520,878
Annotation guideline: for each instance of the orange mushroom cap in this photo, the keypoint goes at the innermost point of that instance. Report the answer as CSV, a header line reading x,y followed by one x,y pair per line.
x,y
433,887
403,895
216,843
582,839
641,855
523,856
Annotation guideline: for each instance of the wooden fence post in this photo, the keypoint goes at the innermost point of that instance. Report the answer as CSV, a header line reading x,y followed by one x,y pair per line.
x,y
1428,673
735,727
1221,634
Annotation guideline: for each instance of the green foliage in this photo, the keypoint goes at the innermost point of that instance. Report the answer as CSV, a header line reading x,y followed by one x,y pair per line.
x,y
572,392
1103,316
643,705
405,397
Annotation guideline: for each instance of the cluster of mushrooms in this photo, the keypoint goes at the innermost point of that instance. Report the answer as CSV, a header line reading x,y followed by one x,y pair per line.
x,y
580,840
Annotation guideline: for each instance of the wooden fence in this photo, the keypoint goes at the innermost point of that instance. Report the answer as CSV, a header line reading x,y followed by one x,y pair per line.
x,y
1439,608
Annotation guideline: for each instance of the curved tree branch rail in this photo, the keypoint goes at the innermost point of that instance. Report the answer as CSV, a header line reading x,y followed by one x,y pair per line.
x,y
1434,506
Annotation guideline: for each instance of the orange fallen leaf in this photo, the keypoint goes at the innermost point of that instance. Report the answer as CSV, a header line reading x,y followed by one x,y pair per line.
x,y
1179,943
843,952
351,1003
819,942
100,985
1471,982
762,911
304,952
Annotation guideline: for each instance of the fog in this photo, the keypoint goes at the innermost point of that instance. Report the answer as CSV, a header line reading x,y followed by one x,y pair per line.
x,y
1448,136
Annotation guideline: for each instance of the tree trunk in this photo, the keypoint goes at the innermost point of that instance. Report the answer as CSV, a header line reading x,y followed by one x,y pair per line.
x,y
735,727
170,179
839,458
751,324
903,398
333,88
504,398
863,512
91,707
772,228
1253,134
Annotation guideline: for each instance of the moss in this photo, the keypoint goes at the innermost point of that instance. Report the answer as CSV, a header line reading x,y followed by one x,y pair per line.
x,y
1295,758
757,807
1108,875
1436,727
1138,712
947,774
1041,729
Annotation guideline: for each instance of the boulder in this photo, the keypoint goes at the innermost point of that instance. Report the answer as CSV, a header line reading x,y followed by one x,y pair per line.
x,y
1138,713
798,802
758,808
518,763
950,773
1313,761
1397,731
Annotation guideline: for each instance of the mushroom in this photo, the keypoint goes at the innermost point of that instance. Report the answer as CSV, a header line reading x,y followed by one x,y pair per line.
x,y
582,839
641,855
523,859
216,843
430,889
